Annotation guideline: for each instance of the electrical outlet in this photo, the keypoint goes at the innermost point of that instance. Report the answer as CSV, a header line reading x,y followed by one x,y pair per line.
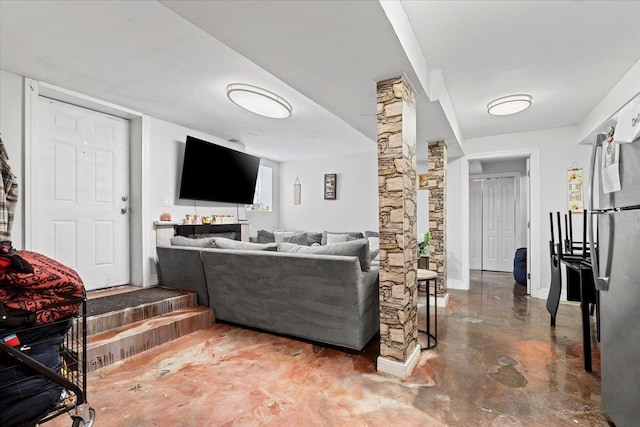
x,y
168,201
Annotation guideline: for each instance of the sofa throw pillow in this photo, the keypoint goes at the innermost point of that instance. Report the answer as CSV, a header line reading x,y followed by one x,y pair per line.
x,y
298,239
313,237
358,248
374,247
356,234
280,235
265,236
371,234
234,244
337,238
207,242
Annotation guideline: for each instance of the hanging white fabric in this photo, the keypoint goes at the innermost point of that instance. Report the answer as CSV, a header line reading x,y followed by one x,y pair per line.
x,y
8,194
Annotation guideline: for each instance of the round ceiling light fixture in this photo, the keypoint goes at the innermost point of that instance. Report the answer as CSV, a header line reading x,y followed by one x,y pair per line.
x,y
259,101
511,104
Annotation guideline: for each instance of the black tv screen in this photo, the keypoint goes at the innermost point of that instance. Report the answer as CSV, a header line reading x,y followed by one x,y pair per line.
x,y
218,174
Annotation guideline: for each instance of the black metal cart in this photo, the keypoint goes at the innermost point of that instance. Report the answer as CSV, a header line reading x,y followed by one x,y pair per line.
x,y
43,371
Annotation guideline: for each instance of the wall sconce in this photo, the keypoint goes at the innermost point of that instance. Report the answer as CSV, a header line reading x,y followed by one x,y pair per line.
x,y
297,191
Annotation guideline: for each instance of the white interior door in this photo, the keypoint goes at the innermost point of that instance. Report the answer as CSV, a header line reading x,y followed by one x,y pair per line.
x,y
80,191
475,225
498,231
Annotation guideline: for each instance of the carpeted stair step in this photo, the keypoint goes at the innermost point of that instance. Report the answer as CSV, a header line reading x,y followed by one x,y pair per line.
x,y
117,344
133,305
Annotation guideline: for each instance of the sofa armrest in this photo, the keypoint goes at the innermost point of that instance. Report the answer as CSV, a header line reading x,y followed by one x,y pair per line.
x,y
181,268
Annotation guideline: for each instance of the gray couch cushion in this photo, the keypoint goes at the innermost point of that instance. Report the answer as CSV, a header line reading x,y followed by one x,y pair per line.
x,y
280,235
313,237
371,234
356,234
234,244
265,236
207,242
358,248
298,239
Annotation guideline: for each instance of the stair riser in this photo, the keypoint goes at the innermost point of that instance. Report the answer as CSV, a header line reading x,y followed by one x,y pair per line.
x,y
99,355
117,319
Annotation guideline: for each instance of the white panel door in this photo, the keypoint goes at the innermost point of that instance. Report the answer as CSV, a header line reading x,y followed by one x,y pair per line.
x,y
490,230
475,225
498,207
80,192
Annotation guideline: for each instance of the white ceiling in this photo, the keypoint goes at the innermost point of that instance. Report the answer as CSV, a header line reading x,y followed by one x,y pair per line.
x,y
567,54
173,60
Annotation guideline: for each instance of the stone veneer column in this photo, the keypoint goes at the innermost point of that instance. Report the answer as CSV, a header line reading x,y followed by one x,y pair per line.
x,y
396,115
438,213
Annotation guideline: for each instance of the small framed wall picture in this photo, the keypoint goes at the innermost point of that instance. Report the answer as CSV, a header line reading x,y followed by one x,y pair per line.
x,y
423,181
330,186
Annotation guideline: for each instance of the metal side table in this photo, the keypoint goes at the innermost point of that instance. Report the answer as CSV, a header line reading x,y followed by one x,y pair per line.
x,y
426,276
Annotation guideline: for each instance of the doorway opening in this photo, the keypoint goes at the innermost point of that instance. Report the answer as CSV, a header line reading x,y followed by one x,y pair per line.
x,y
518,170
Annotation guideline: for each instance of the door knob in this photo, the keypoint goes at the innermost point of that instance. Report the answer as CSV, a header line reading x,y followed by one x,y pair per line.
x,y
124,210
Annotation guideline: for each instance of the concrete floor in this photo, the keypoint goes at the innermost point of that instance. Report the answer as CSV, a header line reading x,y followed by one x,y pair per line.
x,y
498,363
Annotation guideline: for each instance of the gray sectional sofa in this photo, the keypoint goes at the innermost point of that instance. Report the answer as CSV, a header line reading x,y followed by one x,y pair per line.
x,y
323,298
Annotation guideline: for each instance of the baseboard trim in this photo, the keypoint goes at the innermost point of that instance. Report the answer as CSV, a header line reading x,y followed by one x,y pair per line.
x,y
541,293
443,300
399,369
457,284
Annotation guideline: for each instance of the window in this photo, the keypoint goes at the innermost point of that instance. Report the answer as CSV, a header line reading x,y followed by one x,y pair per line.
x,y
262,200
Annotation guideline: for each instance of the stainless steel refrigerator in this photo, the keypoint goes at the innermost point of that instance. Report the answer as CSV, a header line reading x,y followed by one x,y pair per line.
x,y
617,276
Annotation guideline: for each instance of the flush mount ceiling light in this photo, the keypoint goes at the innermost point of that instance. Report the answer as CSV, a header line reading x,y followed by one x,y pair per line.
x,y
509,105
259,101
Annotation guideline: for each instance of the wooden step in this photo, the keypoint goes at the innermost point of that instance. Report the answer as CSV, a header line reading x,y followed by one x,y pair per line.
x,y
118,318
117,344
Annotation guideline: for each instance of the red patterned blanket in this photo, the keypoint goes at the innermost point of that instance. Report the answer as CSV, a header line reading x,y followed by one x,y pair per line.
x,y
43,292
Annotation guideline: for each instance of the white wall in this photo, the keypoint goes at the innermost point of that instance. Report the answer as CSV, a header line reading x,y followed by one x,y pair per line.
x,y
422,204
516,165
558,150
457,226
356,207
166,156
12,128
267,220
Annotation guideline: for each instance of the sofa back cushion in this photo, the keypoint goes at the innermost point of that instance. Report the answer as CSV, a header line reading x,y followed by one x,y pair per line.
x,y
207,242
234,244
358,248
265,236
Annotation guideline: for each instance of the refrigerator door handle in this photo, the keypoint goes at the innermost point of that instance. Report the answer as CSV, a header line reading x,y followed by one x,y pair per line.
x,y
601,283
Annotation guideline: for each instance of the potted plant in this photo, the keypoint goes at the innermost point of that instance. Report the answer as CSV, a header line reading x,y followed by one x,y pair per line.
x,y
423,247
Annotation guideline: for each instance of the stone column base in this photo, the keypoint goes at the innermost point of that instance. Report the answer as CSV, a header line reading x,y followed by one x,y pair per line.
x,y
402,370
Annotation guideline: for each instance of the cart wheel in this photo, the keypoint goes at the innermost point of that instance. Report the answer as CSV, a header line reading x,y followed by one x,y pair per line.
x,y
79,422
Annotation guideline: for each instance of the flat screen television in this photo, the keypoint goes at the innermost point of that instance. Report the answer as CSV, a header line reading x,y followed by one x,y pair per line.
x,y
214,173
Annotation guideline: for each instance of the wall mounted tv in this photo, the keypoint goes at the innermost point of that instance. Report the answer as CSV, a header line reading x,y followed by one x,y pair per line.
x,y
217,174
